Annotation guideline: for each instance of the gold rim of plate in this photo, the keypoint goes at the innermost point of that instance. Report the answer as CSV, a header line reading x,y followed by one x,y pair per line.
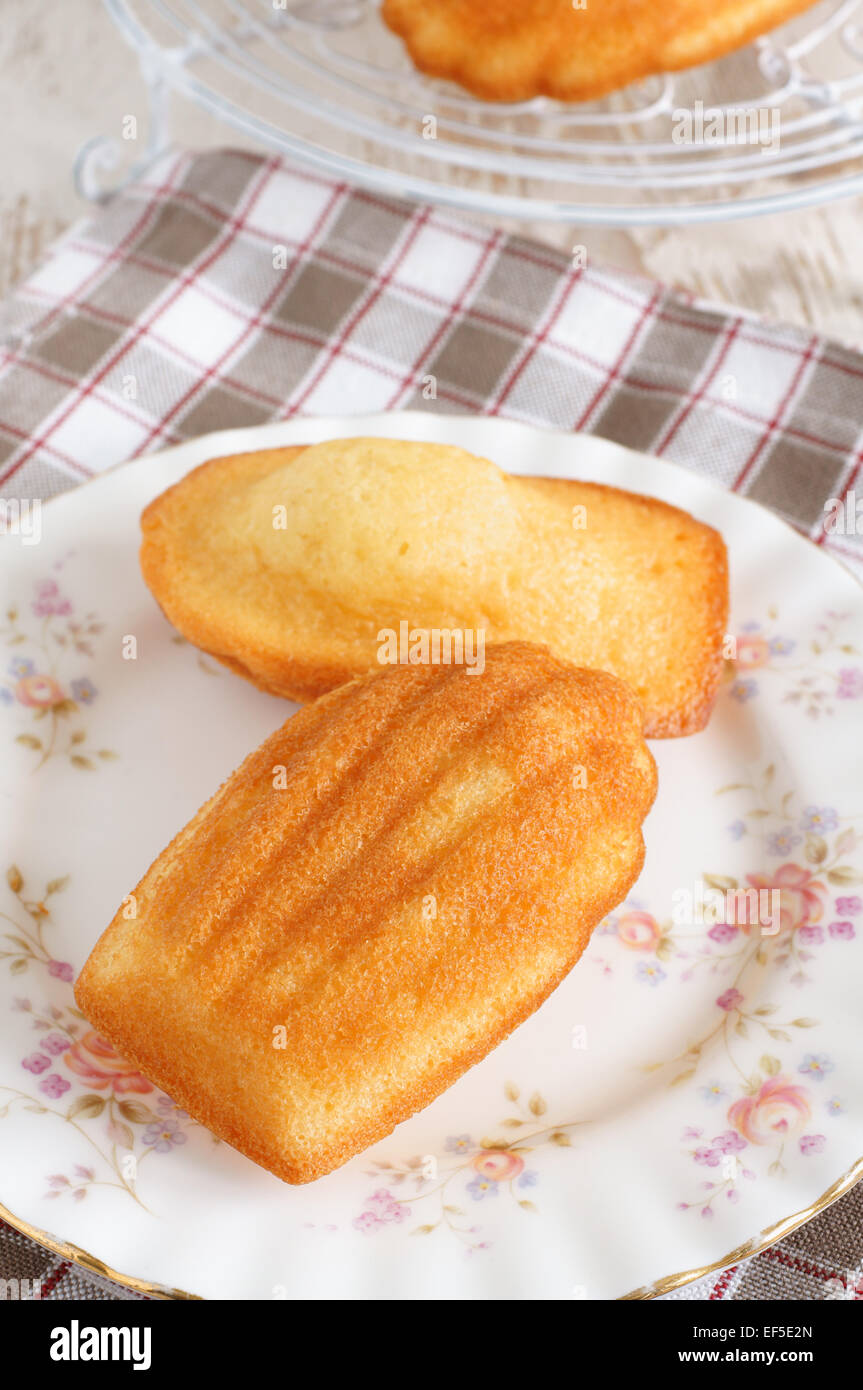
x,y
755,1246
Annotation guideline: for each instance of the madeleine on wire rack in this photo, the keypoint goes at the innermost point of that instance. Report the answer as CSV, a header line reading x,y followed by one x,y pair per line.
x,y
574,50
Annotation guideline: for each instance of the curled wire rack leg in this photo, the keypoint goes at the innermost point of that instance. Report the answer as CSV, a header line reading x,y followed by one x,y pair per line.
x,y
103,157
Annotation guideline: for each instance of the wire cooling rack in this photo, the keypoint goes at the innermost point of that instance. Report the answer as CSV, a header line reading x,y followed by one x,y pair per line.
x,y
778,125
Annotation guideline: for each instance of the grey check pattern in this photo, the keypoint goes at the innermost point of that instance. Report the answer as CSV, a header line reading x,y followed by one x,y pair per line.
x,y
228,289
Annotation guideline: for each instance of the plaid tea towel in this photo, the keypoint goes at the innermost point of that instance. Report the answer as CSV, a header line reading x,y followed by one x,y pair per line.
x,y
227,289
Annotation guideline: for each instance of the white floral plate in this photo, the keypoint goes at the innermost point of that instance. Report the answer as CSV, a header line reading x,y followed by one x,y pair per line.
x,y
689,1093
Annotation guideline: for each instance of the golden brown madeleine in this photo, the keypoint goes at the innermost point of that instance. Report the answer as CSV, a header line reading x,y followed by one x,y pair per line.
x,y
289,563
393,882
512,50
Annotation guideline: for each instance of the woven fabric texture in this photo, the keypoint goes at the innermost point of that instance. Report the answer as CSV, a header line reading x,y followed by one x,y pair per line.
x,y
230,289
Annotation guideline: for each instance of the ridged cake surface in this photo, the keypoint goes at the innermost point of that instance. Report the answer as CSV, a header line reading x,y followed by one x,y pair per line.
x,y
512,50
382,892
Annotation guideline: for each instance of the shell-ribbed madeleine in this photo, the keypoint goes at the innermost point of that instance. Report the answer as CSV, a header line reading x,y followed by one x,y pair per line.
x,y
574,50
395,880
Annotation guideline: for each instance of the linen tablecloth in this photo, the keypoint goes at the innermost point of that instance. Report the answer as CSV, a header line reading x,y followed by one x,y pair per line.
x,y
227,289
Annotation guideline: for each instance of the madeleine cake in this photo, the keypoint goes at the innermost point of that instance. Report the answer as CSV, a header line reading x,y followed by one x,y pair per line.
x,y
290,564
513,50
394,881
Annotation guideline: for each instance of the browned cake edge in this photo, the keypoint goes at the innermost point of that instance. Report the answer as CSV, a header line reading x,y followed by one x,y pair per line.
x,y
112,1024
467,69
110,1015
303,674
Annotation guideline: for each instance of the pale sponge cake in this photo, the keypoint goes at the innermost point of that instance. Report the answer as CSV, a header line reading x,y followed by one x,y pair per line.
x,y
512,50
393,882
288,564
